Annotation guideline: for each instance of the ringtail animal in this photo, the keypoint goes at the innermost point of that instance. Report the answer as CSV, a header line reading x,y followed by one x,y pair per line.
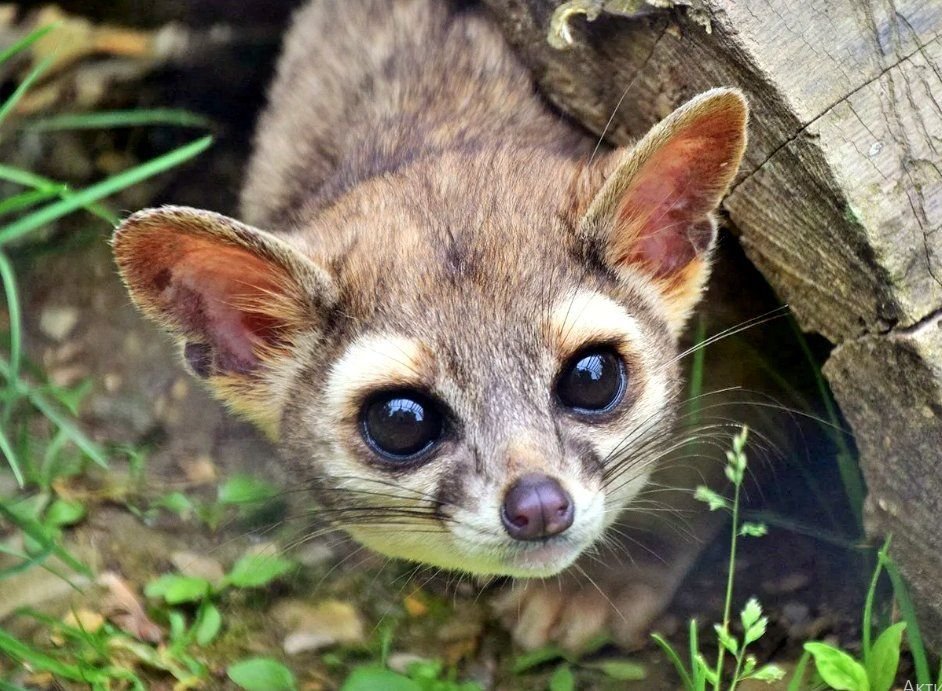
x,y
457,315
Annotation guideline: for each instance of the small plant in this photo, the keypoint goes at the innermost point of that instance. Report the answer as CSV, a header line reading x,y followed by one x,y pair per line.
x,y
876,670
41,202
41,443
563,677
698,675
424,675
251,571
262,674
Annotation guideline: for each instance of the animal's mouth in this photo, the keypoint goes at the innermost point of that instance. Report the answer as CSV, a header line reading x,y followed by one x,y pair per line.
x,y
545,558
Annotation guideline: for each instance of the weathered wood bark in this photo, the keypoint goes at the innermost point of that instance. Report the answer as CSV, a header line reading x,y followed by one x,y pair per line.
x,y
839,203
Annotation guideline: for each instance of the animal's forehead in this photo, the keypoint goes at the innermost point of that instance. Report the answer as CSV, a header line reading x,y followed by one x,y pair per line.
x,y
433,252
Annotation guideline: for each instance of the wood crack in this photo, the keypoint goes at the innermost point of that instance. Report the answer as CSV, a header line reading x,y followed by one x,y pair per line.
x,y
798,133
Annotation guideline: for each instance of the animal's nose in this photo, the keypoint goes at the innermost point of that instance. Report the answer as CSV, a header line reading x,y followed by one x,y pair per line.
x,y
536,507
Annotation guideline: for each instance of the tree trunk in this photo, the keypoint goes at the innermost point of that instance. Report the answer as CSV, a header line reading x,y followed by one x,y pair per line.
x,y
839,202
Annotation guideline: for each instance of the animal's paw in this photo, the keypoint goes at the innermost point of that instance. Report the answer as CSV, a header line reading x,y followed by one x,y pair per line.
x,y
571,611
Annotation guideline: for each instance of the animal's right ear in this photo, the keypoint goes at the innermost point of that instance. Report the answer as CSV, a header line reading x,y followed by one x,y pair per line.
x,y
649,210
238,299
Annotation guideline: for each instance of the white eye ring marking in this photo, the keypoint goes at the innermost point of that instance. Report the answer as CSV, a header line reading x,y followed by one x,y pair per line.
x,y
586,317
375,361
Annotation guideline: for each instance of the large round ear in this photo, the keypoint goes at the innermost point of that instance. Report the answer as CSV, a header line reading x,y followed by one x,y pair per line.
x,y
654,214
239,300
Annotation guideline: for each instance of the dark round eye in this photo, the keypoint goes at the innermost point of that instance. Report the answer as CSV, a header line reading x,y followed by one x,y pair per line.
x,y
400,425
592,381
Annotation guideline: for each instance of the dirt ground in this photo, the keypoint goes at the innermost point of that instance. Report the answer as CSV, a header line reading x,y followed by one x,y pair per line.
x,y
81,326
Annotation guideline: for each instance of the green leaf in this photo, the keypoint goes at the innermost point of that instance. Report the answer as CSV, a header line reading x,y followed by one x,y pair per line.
x,y
208,623
884,657
753,529
768,673
755,632
726,639
41,535
245,489
711,498
739,440
424,670
376,678
255,570
562,679
262,674
708,672
175,502
72,397
535,658
76,436
838,669
63,512
622,670
751,613
175,589
177,621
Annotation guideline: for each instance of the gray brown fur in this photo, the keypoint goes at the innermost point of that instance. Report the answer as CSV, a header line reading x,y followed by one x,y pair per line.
x,y
412,184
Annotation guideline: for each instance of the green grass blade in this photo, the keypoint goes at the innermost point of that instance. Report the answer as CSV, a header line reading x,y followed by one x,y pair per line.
x,y
697,675
779,521
35,530
672,655
867,624
846,466
7,448
697,372
798,676
76,436
23,87
27,179
8,280
908,611
118,118
39,660
25,42
99,191
24,200
27,561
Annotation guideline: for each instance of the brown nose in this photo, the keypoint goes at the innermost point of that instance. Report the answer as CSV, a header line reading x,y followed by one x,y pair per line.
x,y
536,507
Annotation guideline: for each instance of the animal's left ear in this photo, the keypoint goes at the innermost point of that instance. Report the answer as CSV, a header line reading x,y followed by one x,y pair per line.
x,y
241,302
654,214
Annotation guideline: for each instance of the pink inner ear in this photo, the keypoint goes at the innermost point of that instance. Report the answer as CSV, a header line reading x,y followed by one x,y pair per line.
x,y
211,286
664,215
216,294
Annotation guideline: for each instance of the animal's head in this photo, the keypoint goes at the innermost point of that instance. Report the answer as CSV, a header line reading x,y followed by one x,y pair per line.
x,y
470,361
